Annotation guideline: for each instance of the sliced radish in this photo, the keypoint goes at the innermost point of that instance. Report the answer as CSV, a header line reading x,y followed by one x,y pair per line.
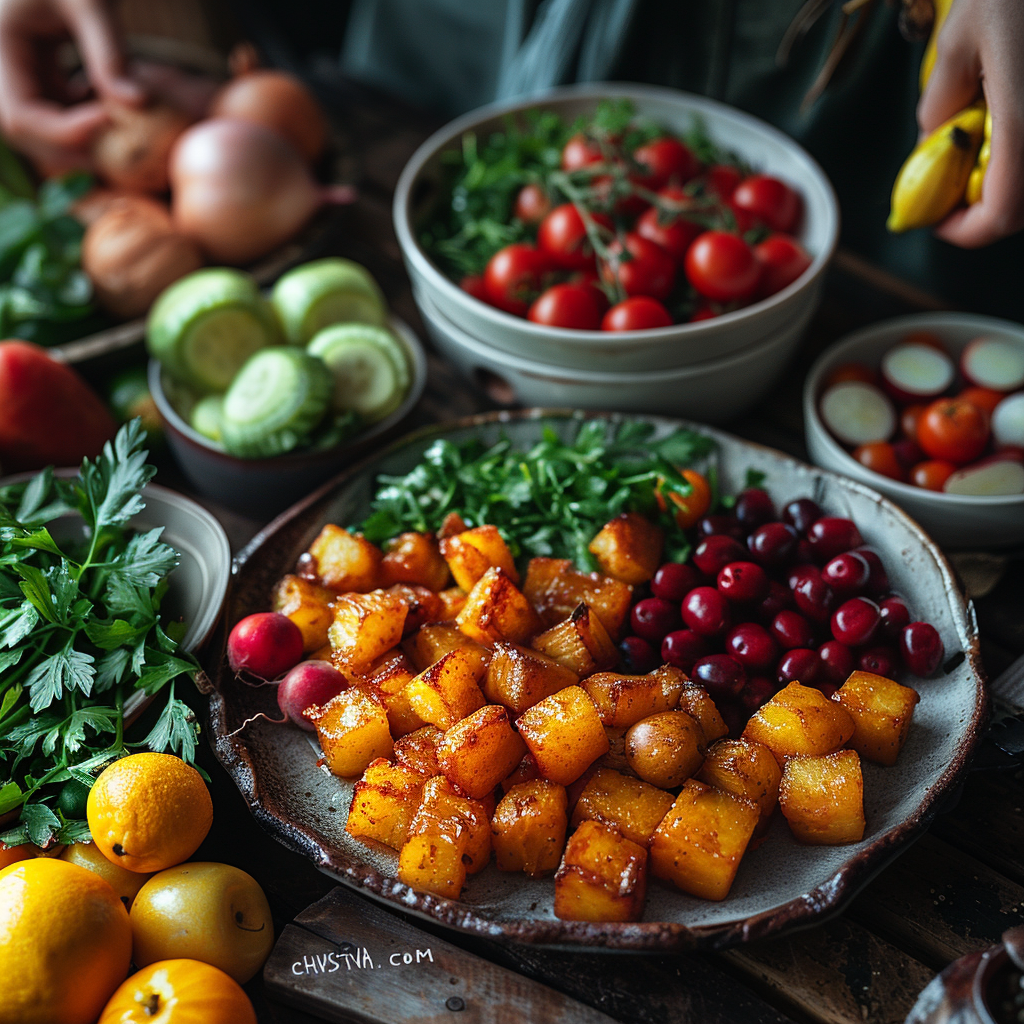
x,y
1008,422
994,475
995,364
858,413
914,371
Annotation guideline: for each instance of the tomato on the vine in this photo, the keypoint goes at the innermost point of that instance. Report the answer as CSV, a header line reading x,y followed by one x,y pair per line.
x,y
664,160
722,267
513,276
577,306
722,179
562,235
532,204
640,313
783,259
649,270
953,430
580,152
667,225
769,200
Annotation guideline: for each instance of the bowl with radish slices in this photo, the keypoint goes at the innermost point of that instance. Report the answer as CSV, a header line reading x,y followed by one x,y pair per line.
x,y
929,410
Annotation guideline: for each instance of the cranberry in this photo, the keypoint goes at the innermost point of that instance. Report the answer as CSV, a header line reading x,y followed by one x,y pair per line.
x,y
855,621
706,611
814,598
882,661
847,574
831,536
754,507
682,648
743,581
779,599
714,553
791,630
773,544
800,664
735,716
758,691
804,551
720,675
921,648
720,526
752,646
895,615
836,662
654,617
878,582
801,514
797,572
673,581
829,689
638,656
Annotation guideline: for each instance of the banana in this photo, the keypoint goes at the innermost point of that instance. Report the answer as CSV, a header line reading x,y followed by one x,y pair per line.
x,y
934,178
977,177
928,60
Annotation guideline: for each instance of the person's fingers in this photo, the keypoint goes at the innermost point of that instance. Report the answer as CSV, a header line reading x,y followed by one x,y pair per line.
x,y
94,31
954,83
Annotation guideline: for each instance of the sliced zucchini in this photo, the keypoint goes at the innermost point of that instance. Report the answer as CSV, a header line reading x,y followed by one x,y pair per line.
x,y
208,415
275,402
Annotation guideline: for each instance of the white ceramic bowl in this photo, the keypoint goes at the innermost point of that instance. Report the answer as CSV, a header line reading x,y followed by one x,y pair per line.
x,y
961,520
712,392
763,146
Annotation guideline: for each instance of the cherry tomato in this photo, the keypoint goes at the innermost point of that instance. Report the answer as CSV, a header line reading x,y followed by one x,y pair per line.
x,y
532,204
722,179
931,475
722,267
880,457
985,399
650,271
850,371
929,338
580,152
782,260
665,160
745,220
473,284
703,313
667,226
513,276
640,313
563,236
578,306
769,200
910,418
954,430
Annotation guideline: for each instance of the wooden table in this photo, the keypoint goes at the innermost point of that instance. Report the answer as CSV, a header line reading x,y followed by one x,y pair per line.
x,y
954,891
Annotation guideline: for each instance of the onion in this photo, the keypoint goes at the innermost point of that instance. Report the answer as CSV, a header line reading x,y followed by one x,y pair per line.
x,y
240,190
132,152
278,101
132,253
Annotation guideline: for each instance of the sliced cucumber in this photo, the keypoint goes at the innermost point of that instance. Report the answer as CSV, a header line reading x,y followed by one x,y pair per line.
x,y
275,402
325,292
205,326
370,367
208,415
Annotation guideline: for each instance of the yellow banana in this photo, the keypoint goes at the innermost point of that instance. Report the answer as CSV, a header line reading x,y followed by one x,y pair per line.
x,y
934,178
977,177
928,60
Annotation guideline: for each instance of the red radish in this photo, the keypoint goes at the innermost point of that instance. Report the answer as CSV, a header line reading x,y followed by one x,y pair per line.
x,y
915,371
267,644
858,413
1008,422
309,683
991,363
998,474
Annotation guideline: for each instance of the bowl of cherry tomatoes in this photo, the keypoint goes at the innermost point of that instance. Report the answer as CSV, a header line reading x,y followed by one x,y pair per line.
x,y
616,228
929,410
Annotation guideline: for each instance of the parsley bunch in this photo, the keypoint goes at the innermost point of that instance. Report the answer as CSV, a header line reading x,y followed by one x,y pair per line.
x,y
548,501
80,631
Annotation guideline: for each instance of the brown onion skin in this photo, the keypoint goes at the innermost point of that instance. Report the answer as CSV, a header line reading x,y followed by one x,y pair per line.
x,y
132,152
278,101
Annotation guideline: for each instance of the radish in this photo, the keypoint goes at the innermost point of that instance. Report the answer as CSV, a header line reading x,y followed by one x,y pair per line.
x,y
1008,422
995,364
998,474
914,371
309,683
266,644
858,413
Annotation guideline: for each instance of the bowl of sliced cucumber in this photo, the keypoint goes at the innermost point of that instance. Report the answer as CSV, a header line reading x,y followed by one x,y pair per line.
x,y
265,396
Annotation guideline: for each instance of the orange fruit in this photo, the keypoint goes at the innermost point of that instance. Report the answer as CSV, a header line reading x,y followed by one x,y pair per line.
x,y
124,882
148,812
65,943
179,992
691,507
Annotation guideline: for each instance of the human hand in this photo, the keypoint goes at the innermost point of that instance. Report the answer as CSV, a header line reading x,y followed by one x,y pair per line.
x,y
982,42
38,112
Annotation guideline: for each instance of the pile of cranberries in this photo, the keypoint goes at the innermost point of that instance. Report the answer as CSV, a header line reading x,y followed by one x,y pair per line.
x,y
764,601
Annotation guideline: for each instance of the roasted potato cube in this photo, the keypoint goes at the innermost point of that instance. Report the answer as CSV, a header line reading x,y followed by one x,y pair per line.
x,y
580,643
384,802
424,605
564,734
528,828
800,721
554,587
353,731
822,798
433,859
418,750
623,700
452,524
430,643
480,751
881,710
525,771
496,610
453,600
308,605
696,702
365,626
628,548
602,877
746,769
519,677
665,749
443,801
389,675
345,561
446,692
471,553
414,558
700,842
635,808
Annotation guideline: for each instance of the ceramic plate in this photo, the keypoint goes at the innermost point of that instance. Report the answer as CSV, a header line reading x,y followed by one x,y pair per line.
x,y
779,885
